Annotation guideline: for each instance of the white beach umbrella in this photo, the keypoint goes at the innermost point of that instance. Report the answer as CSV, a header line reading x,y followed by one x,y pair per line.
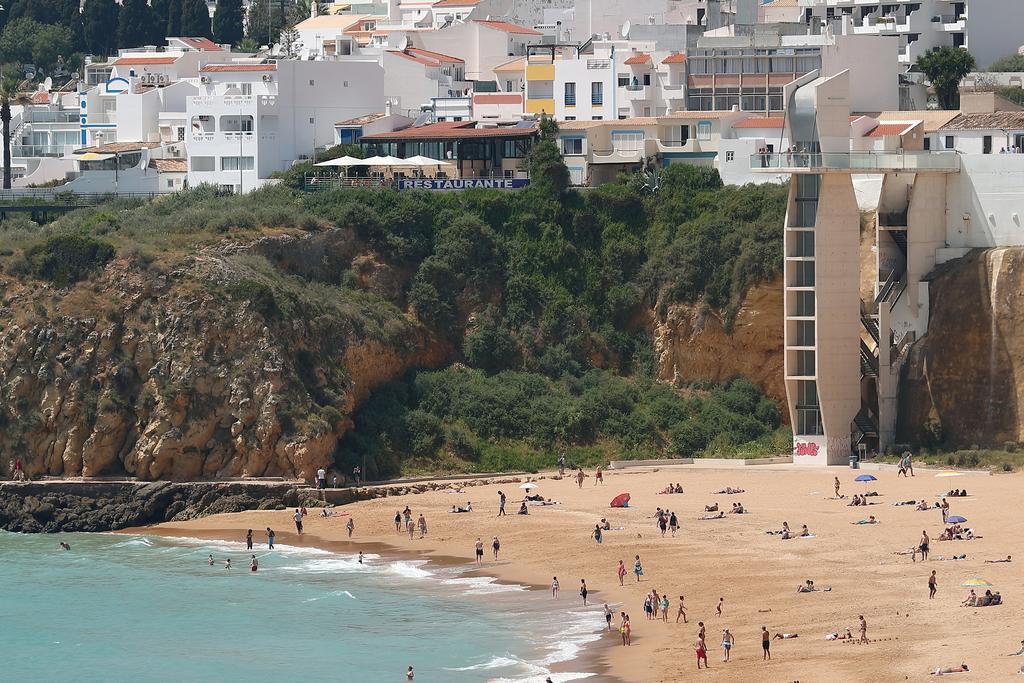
x,y
342,162
384,161
421,161
529,486
950,474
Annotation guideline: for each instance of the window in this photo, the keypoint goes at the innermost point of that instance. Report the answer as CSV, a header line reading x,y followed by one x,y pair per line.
x,y
729,156
170,183
804,363
628,142
647,79
514,149
572,146
803,243
623,80
596,118
181,133
570,118
986,144
597,93
804,304
203,164
927,144
312,120
804,274
508,86
808,415
804,333
950,142
246,88
570,94
232,164
704,130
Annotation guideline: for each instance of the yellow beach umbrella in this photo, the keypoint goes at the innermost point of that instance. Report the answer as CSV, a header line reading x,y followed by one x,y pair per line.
x,y
975,583
93,156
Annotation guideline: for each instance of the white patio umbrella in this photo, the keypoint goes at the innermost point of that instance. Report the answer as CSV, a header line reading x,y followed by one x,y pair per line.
x,y
384,161
421,161
529,486
342,162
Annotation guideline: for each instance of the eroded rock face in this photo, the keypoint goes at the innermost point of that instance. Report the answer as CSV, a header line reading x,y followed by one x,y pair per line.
x,y
693,345
964,381
165,376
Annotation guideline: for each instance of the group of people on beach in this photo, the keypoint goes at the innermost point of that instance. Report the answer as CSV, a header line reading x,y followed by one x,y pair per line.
x,y
403,521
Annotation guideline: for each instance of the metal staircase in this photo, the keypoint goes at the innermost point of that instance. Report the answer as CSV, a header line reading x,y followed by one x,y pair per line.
x,y
863,427
868,361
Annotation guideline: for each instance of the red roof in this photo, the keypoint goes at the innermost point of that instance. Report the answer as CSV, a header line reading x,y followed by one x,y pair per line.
x,y
239,67
426,56
143,61
457,3
883,129
497,98
40,97
675,58
203,44
761,122
508,28
451,130
638,58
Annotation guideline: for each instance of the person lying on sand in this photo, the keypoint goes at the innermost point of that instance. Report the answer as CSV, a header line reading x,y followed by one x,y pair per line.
x,y
711,508
870,493
950,670
737,509
1008,559
1018,653
728,490
720,515
469,508
535,498
835,636
905,502
953,557
785,636
870,520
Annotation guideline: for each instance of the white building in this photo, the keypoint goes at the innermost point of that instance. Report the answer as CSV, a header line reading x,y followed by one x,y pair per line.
x,y
988,29
416,76
254,118
483,44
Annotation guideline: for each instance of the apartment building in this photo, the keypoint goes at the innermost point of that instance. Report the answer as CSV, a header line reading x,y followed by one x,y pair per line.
x,y
253,118
483,44
416,76
988,29
845,348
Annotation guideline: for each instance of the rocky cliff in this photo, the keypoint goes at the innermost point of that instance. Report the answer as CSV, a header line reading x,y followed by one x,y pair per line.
x,y
203,367
692,343
964,381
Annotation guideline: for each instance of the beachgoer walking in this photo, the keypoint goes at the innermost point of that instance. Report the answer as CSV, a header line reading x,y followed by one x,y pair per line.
x,y
702,650
932,585
561,465
923,545
227,563
357,475
648,607
583,591
501,504
673,523
298,521
621,572
766,644
910,463
721,604
398,522
410,674
423,525
608,616
638,569
554,587
664,608
411,526
360,557
270,538
663,523
254,564
479,551
837,488
625,629
863,629
682,610
350,526
321,478
19,470
598,477
495,546
210,560
580,477
597,533
944,507
727,642
248,539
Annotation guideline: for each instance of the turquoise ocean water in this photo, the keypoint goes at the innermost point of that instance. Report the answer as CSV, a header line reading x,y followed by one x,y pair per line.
x,y
135,608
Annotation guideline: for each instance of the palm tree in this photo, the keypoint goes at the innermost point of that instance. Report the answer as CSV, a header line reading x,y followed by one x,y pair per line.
x,y
11,92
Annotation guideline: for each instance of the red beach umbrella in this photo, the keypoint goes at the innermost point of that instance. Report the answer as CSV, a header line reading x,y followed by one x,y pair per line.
x,y
621,501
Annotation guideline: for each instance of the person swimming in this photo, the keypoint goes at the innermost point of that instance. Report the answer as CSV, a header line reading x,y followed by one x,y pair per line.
x,y
64,546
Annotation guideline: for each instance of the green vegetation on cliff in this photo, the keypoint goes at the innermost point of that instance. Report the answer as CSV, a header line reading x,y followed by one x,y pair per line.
x,y
544,299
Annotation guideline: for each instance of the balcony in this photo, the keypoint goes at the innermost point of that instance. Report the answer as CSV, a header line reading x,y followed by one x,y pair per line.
x,y
673,92
677,145
637,92
33,116
617,156
857,162
41,150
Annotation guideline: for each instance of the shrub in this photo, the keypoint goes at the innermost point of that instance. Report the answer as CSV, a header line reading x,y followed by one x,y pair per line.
x,y
66,259
1010,446
258,294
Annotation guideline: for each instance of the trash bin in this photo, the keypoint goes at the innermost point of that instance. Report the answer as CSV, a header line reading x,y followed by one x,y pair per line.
x,y
854,461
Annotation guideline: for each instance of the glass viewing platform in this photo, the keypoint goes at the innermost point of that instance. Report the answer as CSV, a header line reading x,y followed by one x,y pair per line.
x,y
856,162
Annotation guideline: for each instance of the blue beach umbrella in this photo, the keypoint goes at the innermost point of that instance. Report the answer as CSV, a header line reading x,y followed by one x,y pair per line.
x,y
956,519
865,477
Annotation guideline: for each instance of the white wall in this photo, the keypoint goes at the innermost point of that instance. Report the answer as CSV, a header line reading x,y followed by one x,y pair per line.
x,y
737,170
874,69
481,47
576,71
407,80
989,191
994,29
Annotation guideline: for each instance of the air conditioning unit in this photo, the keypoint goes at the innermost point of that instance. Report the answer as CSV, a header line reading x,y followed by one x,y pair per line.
x,y
204,79
267,78
161,79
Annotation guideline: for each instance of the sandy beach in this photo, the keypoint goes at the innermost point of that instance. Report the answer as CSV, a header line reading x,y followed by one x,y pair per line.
x,y
732,558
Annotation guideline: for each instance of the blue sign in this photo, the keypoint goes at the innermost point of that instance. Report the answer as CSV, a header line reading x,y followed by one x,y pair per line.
x,y
462,183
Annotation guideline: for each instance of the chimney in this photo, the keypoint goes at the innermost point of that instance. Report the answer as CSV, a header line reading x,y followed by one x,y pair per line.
x,y
387,107
314,9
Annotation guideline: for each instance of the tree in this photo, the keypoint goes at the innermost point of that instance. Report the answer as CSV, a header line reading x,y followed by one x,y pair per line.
x,y
71,19
290,43
227,22
265,21
50,43
17,38
195,19
547,169
134,23
174,18
11,92
159,9
1014,62
945,67
99,17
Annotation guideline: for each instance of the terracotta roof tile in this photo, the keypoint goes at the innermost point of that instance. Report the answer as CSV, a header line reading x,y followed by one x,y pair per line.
x,y
497,98
675,58
638,58
169,165
883,129
238,67
456,3
451,130
761,122
143,61
508,28
202,44
1000,120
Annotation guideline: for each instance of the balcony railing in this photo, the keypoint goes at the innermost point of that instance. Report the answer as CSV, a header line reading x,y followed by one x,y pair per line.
x,y
41,150
855,162
635,88
599,64
33,116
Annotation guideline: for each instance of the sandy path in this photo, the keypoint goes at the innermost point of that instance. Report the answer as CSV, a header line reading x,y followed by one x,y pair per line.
x,y
733,558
